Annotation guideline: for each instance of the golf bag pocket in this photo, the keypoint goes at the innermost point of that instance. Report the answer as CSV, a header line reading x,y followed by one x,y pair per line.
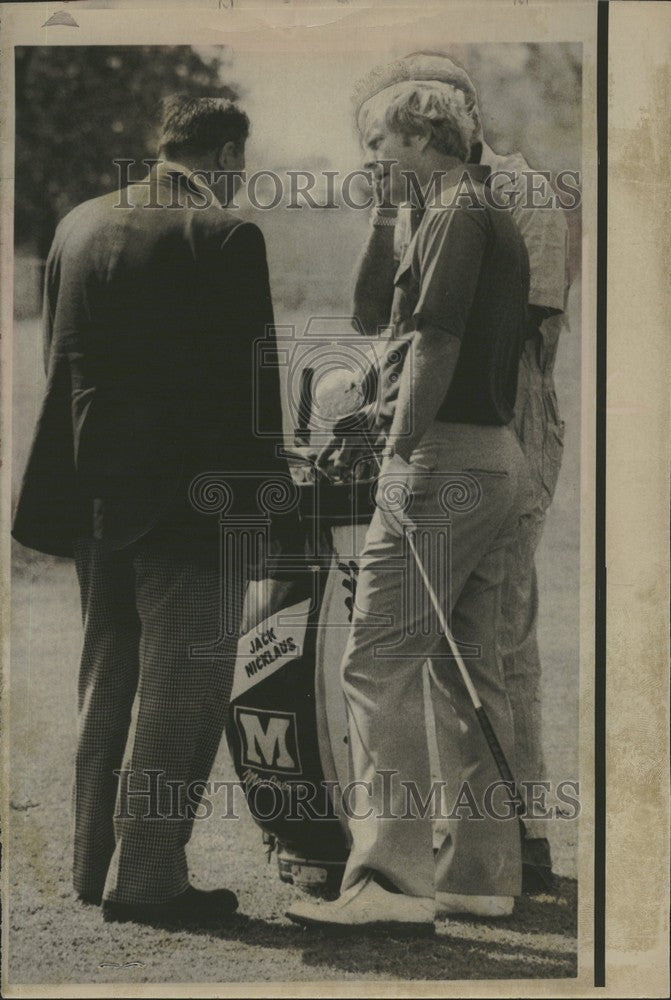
x,y
272,726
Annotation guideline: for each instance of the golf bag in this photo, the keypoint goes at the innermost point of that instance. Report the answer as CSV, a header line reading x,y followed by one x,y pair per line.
x,y
287,728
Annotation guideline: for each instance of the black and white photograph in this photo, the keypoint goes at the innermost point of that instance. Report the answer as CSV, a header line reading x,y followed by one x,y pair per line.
x,y
303,430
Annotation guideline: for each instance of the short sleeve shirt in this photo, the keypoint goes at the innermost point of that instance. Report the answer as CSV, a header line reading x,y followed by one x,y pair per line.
x,y
466,272
544,229
542,225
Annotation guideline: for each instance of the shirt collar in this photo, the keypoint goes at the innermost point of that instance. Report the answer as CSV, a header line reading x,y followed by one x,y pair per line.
x,y
477,173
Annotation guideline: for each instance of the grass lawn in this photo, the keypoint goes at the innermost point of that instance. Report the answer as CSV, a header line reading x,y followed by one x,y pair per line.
x,y
54,939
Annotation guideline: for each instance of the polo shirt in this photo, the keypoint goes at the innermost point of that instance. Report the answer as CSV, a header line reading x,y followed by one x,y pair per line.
x,y
466,272
544,230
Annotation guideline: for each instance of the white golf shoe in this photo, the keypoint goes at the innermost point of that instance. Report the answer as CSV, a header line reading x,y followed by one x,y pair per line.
x,y
366,906
452,904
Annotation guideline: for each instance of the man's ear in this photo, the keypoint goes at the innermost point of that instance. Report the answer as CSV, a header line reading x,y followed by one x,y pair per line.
x,y
227,156
423,139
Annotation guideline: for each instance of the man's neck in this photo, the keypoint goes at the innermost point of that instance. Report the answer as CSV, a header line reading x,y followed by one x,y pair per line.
x,y
437,165
189,165
195,173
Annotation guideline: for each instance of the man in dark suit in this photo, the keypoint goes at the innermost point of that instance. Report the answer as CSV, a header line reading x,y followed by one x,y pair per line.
x,y
154,298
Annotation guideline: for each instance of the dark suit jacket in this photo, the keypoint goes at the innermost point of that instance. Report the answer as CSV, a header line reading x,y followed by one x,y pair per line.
x,y
150,320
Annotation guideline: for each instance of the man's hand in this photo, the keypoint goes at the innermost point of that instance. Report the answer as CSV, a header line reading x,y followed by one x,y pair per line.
x,y
383,207
395,491
351,451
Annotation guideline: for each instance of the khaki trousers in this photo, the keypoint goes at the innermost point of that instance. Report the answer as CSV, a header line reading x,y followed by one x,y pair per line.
x,y
468,486
541,435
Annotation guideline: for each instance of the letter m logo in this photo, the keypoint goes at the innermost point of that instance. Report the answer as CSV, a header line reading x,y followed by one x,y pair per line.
x,y
268,740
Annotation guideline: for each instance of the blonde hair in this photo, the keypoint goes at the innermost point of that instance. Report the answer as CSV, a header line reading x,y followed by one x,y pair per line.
x,y
415,106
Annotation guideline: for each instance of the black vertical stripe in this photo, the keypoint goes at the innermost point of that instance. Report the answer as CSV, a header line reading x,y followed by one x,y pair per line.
x,y
600,512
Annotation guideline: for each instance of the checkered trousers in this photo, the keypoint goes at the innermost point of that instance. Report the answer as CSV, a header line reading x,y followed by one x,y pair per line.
x,y
160,635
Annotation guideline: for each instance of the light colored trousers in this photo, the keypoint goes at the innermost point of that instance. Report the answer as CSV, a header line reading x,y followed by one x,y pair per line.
x,y
541,435
468,486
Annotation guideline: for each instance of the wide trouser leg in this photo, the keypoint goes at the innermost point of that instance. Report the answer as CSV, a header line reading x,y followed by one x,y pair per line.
x,y
390,641
540,433
481,854
107,684
181,710
519,646
382,681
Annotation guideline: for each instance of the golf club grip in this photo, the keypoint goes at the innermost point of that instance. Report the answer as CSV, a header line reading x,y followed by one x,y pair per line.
x,y
302,431
502,765
495,747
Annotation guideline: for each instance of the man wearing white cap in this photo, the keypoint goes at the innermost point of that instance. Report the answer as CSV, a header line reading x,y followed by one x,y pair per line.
x,y
459,308
537,423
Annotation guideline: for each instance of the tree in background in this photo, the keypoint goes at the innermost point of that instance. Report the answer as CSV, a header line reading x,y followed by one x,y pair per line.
x,y
80,107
